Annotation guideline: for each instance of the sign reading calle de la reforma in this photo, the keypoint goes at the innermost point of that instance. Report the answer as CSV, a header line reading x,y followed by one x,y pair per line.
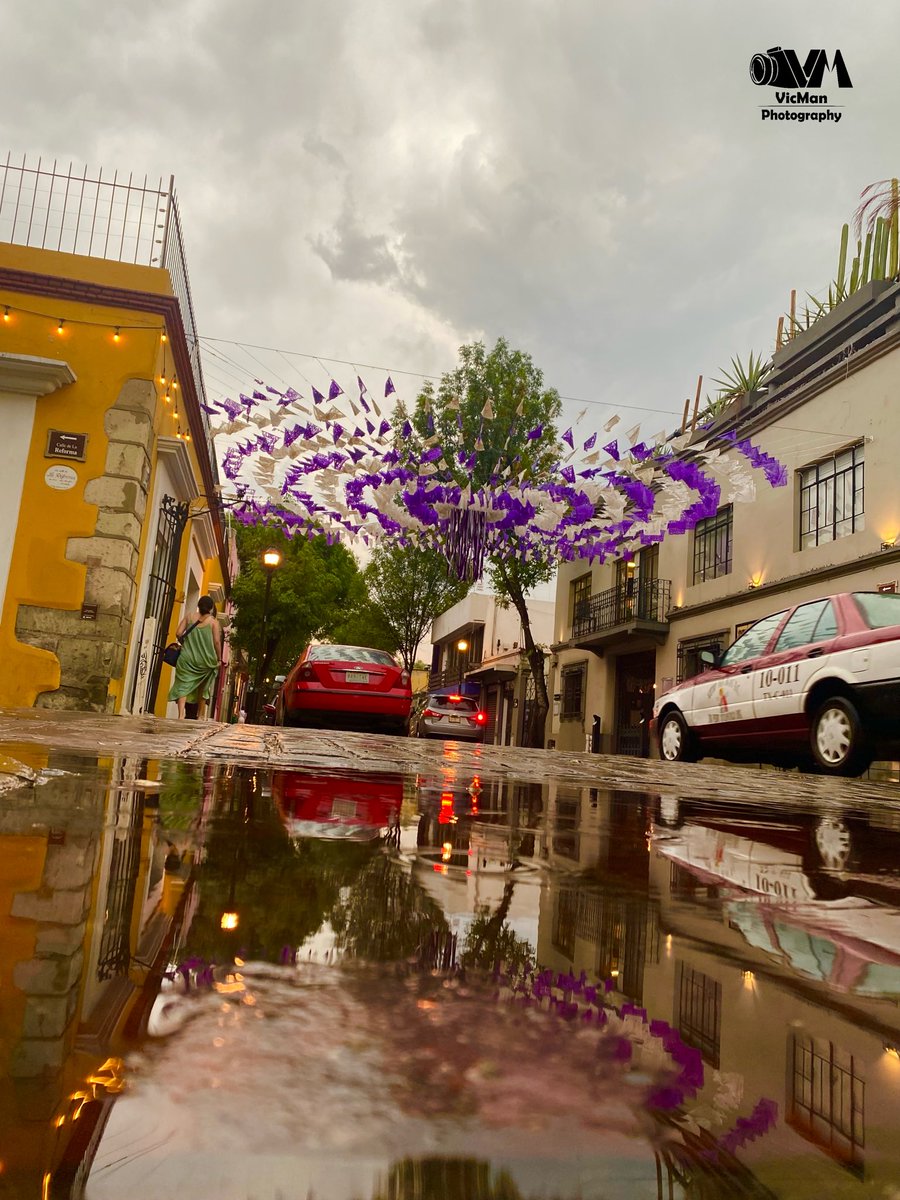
x,y
66,445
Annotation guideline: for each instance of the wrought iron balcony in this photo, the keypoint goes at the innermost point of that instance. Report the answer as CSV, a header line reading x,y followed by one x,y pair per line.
x,y
638,604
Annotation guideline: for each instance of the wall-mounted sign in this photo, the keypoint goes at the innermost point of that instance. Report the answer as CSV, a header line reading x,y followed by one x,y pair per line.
x,y
66,445
60,478
89,612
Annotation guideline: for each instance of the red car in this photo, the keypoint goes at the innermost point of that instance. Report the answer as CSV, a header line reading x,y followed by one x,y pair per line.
x,y
815,684
349,807
345,686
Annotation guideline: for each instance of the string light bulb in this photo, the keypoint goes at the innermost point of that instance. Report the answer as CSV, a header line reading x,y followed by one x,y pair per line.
x,y
162,380
168,397
59,327
175,382
163,337
6,313
116,335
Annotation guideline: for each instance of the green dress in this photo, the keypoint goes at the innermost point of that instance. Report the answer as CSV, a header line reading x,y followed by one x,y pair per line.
x,y
197,666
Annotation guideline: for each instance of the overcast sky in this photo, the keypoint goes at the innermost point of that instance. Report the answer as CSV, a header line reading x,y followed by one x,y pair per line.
x,y
383,182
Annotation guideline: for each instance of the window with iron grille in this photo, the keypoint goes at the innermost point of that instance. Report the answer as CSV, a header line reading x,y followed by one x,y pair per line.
x,y
572,705
581,595
827,1099
712,546
689,651
832,497
698,1008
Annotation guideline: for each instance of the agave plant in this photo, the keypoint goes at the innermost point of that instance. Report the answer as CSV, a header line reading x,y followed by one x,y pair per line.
x,y
741,379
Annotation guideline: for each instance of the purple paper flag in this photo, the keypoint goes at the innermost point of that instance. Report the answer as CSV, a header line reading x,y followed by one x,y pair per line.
x,y
389,388
335,390
318,398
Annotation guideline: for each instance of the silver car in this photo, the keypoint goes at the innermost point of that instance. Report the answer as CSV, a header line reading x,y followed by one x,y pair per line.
x,y
451,717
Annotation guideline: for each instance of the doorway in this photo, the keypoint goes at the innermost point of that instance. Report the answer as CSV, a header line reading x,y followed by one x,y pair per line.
x,y
635,675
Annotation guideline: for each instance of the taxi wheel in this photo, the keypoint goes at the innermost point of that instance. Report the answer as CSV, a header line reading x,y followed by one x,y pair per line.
x,y
675,741
837,740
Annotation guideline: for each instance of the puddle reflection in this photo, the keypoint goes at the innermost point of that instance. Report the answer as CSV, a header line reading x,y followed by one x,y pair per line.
x,y
374,986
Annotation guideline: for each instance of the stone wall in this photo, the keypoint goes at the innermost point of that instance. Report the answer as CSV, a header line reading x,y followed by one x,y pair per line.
x,y
91,653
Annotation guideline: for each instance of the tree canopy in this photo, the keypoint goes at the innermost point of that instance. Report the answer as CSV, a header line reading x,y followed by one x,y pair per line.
x,y
495,400
311,592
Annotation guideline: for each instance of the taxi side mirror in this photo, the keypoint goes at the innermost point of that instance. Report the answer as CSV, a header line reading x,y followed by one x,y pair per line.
x,y
707,658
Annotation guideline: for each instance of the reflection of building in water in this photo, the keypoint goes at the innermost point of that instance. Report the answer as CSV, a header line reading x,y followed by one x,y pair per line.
x,y
79,869
602,921
783,996
475,853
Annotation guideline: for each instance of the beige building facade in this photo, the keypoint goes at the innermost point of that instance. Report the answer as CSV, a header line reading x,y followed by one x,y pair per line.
x,y
830,414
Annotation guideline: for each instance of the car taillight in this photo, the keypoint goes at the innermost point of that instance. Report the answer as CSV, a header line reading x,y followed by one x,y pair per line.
x,y
429,712
307,673
481,717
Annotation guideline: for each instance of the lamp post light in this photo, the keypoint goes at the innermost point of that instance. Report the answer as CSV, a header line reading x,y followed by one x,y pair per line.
x,y
271,561
462,646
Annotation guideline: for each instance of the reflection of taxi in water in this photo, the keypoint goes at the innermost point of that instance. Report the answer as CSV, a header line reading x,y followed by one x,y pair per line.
x,y
355,807
781,905
817,682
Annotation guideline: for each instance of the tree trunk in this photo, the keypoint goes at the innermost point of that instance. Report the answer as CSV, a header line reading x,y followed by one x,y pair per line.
x,y
534,734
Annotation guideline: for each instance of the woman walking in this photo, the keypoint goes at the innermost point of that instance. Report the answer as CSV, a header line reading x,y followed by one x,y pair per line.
x,y
198,662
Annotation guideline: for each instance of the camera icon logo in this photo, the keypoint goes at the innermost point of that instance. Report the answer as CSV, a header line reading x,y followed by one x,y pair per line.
x,y
781,69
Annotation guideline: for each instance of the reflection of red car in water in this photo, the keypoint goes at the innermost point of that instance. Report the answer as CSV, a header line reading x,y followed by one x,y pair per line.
x,y
350,806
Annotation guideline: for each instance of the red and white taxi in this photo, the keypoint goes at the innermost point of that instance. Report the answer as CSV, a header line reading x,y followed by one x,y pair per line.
x,y
815,684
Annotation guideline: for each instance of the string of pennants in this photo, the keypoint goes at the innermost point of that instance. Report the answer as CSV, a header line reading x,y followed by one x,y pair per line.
x,y
340,465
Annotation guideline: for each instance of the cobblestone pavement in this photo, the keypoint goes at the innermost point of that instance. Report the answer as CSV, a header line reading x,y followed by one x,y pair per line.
x,y
22,731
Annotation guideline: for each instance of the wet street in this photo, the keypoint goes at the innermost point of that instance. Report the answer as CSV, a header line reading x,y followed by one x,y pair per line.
x,y
246,963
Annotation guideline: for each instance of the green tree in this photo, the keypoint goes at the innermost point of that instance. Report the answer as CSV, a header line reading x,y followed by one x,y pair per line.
x,y
311,592
492,402
408,588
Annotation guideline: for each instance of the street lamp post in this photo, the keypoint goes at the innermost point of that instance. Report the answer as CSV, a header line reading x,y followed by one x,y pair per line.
x,y
462,646
271,561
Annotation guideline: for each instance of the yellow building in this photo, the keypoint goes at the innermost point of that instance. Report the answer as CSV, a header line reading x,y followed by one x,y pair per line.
x,y
108,483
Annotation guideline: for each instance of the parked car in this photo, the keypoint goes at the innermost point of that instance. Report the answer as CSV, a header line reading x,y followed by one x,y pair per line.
x,y
345,686
816,684
451,717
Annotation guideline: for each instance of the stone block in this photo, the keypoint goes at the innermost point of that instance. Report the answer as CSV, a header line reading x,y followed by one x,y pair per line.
x,y
79,661
48,976
127,460
58,622
117,494
128,425
110,588
59,939
46,1017
56,908
70,866
35,1057
119,525
138,395
116,553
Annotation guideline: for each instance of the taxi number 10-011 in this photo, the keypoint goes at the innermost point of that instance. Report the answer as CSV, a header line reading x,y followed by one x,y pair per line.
x,y
790,673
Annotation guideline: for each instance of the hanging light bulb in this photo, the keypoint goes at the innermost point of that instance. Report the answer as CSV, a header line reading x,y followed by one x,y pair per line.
x,y
6,313
162,380
163,337
59,327
116,335
168,397
175,382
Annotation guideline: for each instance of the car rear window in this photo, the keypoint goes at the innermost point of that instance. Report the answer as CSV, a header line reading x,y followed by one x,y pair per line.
x,y
457,703
879,609
351,654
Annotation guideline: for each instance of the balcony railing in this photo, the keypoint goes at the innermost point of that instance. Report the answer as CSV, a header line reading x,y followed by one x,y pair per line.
x,y
638,600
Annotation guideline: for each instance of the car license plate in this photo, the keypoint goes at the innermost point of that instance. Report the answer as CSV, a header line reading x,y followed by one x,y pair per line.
x,y
454,720
343,809
357,676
